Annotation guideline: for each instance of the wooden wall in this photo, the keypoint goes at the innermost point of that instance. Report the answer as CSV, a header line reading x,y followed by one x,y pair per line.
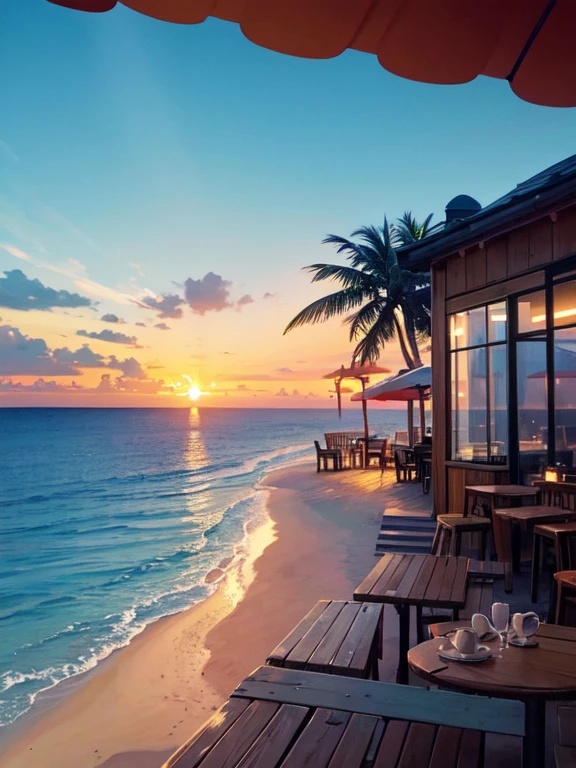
x,y
474,277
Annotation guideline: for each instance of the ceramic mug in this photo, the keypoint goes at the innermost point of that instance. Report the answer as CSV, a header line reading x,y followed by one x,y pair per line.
x,y
465,640
525,625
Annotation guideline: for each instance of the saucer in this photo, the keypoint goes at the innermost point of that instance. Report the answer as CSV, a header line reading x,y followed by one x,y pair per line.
x,y
452,654
517,643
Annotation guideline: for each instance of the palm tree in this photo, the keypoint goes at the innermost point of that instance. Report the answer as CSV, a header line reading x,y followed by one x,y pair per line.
x,y
386,301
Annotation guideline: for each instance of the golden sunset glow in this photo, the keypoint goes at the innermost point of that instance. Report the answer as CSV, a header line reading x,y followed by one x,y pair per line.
x,y
194,393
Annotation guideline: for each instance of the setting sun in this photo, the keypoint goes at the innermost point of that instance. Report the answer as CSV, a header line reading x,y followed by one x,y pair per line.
x,y
194,393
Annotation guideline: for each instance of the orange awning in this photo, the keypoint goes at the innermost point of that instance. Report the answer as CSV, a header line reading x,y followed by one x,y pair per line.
x,y
528,42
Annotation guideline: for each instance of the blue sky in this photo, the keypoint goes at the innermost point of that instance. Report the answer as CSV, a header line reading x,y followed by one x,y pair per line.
x,y
187,149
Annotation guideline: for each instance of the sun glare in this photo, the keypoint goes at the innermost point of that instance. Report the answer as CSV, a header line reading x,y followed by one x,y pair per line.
x,y
194,393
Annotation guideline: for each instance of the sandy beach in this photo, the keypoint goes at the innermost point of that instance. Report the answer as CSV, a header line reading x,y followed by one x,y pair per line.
x,y
146,699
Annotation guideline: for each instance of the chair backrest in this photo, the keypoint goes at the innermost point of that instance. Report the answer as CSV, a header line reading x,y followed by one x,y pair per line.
x,y
403,456
317,446
369,697
341,439
401,437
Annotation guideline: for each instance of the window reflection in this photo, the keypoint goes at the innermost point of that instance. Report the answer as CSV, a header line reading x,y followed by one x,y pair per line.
x,y
469,430
532,312
532,408
467,329
565,304
565,396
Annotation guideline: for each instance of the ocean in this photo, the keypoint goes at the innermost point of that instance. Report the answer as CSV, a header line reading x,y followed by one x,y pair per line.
x,y
112,518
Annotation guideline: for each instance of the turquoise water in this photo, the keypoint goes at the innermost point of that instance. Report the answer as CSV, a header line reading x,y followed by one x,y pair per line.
x,y
110,519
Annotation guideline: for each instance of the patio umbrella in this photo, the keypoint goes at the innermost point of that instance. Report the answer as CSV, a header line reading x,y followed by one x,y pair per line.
x,y
360,372
527,42
406,386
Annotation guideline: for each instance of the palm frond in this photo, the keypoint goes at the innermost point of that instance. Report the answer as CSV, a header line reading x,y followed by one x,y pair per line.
x,y
370,348
348,276
329,306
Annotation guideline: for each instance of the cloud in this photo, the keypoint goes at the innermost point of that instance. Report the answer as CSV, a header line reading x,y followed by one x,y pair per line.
x,y
137,267
141,325
114,337
243,301
167,305
268,295
19,292
83,357
210,294
243,377
7,385
284,370
16,252
130,367
282,393
296,395
109,317
154,367
162,326
21,355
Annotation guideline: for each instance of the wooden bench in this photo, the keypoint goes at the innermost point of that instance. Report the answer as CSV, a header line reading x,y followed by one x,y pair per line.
x,y
337,637
295,719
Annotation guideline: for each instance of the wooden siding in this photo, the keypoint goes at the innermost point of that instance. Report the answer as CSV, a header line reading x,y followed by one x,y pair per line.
x,y
487,272
533,245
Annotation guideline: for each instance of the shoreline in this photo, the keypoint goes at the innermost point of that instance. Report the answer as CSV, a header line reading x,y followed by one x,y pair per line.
x,y
144,700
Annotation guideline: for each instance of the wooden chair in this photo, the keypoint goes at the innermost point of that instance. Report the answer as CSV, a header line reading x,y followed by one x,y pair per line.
x,y
285,717
401,437
450,529
337,637
377,449
565,752
562,537
565,614
405,464
324,454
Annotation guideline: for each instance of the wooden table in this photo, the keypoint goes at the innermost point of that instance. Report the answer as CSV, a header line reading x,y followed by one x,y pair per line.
x,y
528,517
414,580
337,637
531,675
498,496
295,719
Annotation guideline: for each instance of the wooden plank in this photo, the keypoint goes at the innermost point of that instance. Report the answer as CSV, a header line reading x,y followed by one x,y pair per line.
x,y
282,650
327,648
369,697
557,632
565,231
354,743
355,650
392,743
191,753
540,242
470,749
381,584
475,262
421,584
275,739
398,575
440,418
473,599
304,649
435,585
495,292
239,738
448,581
565,757
418,746
460,583
455,270
496,260
567,726
446,748
486,599
518,251
365,587
409,579
318,740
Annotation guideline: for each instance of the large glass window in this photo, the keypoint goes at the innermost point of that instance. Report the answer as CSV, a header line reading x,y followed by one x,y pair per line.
x,y
565,397
532,407
479,403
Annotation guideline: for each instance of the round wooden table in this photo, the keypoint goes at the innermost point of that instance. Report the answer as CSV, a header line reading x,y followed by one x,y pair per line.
x,y
531,675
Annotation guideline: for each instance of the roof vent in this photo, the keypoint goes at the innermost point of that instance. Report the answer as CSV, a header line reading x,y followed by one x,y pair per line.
x,y
461,207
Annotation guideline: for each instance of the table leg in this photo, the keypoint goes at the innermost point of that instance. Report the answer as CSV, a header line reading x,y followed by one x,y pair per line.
x,y
404,643
516,537
533,748
535,567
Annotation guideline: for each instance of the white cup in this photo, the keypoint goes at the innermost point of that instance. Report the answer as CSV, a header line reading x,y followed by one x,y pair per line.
x,y
525,625
465,640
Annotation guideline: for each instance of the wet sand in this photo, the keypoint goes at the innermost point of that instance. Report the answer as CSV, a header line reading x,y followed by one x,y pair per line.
x,y
145,700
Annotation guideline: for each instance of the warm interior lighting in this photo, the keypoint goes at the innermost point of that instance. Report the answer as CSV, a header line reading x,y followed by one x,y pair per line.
x,y
459,332
498,318
557,315
552,475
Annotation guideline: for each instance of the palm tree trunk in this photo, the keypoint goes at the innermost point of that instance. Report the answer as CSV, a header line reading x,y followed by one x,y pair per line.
x,y
413,343
403,344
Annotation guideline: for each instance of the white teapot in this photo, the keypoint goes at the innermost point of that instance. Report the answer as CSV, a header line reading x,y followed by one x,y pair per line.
x,y
525,625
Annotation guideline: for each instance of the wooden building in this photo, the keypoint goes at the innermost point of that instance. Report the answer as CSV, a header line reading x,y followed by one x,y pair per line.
x,y
503,335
